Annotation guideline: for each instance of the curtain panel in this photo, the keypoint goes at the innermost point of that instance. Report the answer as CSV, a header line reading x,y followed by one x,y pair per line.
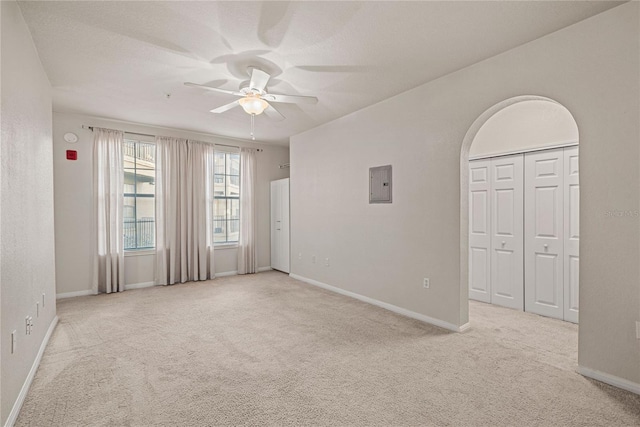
x,y
247,241
108,199
184,205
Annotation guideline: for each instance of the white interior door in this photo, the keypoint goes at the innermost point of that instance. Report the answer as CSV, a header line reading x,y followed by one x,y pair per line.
x,y
544,235
571,233
507,275
479,231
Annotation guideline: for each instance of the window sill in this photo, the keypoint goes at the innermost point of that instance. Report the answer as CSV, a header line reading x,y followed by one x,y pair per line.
x,y
146,252
225,246
141,252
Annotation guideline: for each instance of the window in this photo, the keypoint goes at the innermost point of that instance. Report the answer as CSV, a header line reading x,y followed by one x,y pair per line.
x,y
226,192
139,194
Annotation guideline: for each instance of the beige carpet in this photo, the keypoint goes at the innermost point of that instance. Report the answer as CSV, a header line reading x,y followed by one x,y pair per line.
x,y
268,350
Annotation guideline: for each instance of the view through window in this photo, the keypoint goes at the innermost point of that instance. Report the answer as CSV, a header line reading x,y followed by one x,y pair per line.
x,y
226,188
139,194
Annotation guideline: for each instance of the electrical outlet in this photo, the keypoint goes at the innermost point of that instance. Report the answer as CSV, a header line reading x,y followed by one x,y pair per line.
x,y
14,341
425,283
313,259
326,262
28,325
300,255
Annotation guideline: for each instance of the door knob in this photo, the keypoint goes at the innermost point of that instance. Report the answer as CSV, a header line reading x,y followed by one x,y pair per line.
x,y
504,243
546,246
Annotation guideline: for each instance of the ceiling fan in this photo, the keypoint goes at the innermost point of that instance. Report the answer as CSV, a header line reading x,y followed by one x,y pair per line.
x,y
254,98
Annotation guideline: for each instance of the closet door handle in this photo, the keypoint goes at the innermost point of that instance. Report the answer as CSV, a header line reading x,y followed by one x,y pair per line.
x,y
504,243
546,247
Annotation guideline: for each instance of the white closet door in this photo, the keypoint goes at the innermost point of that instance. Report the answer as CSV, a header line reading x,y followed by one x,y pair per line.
x,y
280,225
571,233
544,235
507,275
275,232
479,231
284,225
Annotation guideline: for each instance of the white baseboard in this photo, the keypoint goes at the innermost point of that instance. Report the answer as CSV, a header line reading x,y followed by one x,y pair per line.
x,y
610,379
139,285
464,328
75,294
227,273
235,272
387,306
13,415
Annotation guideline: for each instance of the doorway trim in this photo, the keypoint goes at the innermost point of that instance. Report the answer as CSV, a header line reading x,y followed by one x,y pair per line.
x,y
464,191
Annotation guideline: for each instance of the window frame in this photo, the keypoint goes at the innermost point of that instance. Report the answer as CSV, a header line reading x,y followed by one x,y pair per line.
x,y
138,250
227,176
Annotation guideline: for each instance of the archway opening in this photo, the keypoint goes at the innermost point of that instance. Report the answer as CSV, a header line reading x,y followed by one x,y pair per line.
x,y
519,208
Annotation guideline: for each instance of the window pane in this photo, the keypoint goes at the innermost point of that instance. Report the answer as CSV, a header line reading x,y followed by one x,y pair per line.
x,y
219,220
233,164
233,186
129,150
220,208
218,185
233,210
234,230
129,233
219,163
146,155
146,232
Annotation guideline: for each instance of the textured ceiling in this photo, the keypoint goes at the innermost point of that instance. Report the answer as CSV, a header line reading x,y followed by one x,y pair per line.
x,y
119,59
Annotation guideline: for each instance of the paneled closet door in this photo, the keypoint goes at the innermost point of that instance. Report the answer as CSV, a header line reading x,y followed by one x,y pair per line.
x,y
284,225
276,213
280,225
572,233
479,231
507,275
544,233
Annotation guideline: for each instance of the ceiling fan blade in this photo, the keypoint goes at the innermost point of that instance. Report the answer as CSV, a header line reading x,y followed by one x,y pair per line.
x,y
273,114
275,18
259,79
214,89
225,107
291,99
335,68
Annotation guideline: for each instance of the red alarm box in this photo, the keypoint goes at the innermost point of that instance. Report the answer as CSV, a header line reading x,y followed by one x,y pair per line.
x,y
72,155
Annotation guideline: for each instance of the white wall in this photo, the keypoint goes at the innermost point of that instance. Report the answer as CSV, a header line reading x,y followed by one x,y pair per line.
x,y
384,251
73,202
523,126
27,265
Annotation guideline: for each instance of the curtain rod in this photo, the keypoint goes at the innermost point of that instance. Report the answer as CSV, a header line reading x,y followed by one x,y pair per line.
x,y
132,133
153,136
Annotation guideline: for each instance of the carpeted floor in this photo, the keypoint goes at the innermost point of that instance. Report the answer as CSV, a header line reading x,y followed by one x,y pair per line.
x,y
265,349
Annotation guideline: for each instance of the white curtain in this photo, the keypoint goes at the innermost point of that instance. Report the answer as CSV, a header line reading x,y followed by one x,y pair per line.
x,y
108,182
247,246
184,201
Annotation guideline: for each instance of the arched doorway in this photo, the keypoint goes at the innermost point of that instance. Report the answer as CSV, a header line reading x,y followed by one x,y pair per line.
x,y
519,239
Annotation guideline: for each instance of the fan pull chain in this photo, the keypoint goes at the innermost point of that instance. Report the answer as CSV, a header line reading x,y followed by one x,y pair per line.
x,y
252,126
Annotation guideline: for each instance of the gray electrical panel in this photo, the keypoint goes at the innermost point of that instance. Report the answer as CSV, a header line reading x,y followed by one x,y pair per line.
x,y
380,184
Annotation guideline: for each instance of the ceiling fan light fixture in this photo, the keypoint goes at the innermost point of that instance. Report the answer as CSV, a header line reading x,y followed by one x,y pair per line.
x,y
252,104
